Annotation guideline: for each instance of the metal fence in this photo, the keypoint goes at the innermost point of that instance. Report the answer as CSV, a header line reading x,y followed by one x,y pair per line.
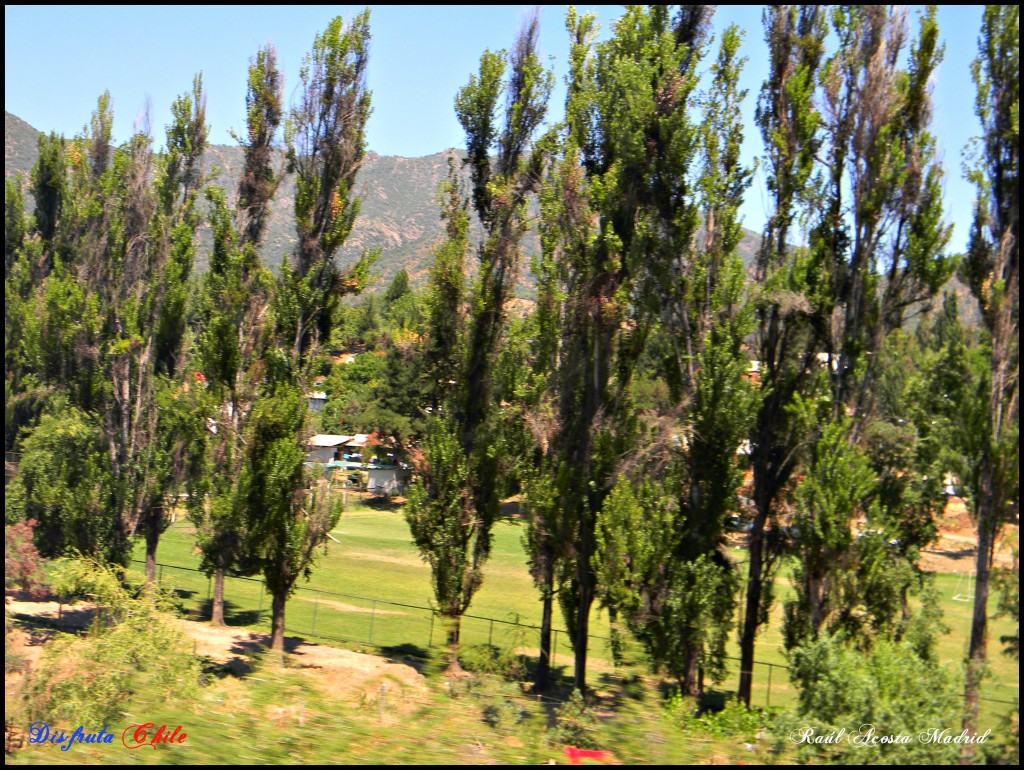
x,y
408,629
413,630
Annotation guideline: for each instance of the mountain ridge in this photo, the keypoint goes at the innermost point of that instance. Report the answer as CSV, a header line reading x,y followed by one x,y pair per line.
x,y
399,212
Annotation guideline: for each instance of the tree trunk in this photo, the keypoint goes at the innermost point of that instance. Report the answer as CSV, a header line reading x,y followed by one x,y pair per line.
x,y
977,648
454,623
542,680
583,627
152,533
691,681
217,610
752,611
277,623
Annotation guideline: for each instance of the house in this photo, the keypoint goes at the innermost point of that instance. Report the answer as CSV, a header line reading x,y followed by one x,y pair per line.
x,y
358,440
387,479
753,372
324,447
316,400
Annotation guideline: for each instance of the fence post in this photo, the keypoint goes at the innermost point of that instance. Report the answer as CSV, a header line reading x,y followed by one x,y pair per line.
x,y
259,612
373,613
768,695
490,635
430,641
316,603
554,647
160,575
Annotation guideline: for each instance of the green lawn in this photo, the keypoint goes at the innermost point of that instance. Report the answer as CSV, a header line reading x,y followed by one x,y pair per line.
x,y
375,567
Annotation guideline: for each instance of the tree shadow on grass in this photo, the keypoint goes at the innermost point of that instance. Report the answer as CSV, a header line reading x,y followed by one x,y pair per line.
x,y
383,503
626,685
233,615
410,654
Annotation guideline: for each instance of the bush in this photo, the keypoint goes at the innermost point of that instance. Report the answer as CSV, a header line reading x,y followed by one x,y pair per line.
x,y
133,648
489,659
733,721
575,725
890,689
23,566
507,712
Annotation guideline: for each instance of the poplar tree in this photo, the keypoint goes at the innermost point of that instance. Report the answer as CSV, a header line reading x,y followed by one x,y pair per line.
x,y
990,269
631,138
670,577
288,515
784,341
452,511
233,307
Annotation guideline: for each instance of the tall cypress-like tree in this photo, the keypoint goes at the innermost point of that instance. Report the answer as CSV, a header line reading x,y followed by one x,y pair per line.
x,y
631,137
785,345
678,591
287,514
991,268
233,306
881,209
452,511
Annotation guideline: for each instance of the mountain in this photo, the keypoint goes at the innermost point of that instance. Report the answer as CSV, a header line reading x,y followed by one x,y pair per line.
x,y
20,146
399,211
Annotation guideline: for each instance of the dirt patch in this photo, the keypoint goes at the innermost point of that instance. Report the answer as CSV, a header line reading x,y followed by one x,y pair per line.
x,y
382,558
335,671
73,617
955,549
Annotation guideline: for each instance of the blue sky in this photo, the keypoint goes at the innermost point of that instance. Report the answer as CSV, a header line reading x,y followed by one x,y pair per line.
x,y
59,59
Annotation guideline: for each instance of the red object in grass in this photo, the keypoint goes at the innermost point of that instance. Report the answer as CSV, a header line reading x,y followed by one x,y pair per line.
x,y
200,377
576,756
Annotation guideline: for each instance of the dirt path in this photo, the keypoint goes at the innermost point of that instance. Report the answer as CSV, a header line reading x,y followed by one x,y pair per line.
x,y
336,671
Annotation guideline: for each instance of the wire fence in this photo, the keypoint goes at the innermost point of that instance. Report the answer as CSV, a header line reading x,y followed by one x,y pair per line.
x,y
414,630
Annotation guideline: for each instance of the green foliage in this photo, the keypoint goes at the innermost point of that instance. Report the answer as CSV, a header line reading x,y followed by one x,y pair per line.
x,y
836,486
49,180
890,689
575,723
680,607
734,722
138,651
286,522
325,144
449,537
488,659
63,483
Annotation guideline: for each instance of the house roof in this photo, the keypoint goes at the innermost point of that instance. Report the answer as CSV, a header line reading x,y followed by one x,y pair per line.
x,y
328,440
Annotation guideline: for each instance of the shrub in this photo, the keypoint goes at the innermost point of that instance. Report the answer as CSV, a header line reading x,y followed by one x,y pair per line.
x,y
890,689
135,649
733,721
23,566
575,724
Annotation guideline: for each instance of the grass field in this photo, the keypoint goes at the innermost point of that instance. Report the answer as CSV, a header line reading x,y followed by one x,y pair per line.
x,y
364,595
374,568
